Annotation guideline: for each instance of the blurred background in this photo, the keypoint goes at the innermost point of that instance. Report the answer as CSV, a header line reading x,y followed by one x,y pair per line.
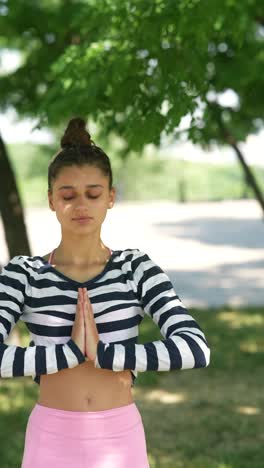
x,y
173,93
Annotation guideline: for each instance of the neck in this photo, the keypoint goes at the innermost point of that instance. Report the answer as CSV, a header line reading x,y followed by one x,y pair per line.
x,y
78,255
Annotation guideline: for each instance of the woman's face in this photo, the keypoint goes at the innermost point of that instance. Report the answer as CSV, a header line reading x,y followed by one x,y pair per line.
x,y
81,191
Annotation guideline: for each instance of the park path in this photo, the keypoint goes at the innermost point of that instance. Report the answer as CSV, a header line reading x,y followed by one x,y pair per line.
x,y
212,252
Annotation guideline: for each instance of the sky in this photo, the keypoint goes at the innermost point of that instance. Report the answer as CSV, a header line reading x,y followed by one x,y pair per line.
x,y
15,130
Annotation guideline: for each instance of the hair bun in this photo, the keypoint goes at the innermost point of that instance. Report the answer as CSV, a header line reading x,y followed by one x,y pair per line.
x,y
75,134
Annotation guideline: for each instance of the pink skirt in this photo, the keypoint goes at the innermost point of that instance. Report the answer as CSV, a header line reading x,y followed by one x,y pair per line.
x,y
113,438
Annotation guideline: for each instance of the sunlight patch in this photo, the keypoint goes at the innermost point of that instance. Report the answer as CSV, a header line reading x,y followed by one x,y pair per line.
x,y
238,319
165,397
248,410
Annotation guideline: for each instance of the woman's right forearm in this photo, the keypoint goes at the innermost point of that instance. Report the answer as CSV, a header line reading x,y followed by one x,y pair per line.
x,y
16,361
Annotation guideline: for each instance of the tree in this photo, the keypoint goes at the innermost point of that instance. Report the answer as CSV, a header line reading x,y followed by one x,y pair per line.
x,y
23,26
150,63
138,67
11,207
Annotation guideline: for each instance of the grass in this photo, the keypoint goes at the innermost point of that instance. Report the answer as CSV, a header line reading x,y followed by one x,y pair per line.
x,y
200,418
156,178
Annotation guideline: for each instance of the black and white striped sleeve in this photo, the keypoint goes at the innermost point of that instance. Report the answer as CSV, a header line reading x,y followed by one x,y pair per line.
x,y
16,361
184,346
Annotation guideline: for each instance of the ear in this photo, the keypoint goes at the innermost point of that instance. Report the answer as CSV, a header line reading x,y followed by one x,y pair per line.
x,y
112,197
50,201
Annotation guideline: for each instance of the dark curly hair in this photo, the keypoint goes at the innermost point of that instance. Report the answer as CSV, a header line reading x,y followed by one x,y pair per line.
x,y
77,148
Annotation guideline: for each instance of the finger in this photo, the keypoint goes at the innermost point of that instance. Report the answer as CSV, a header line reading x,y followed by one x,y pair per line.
x,y
79,299
84,304
88,314
78,311
87,300
80,303
83,296
84,291
80,296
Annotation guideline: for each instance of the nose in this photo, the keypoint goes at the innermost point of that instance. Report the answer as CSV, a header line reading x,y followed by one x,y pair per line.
x,y
81,206
81,201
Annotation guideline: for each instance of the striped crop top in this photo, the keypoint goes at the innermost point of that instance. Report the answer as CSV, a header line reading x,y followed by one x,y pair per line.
x,y
130,285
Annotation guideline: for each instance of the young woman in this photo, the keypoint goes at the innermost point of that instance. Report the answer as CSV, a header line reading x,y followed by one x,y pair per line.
x,y
82,304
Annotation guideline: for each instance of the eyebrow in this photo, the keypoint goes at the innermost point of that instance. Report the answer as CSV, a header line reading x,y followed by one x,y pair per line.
x,y
73,187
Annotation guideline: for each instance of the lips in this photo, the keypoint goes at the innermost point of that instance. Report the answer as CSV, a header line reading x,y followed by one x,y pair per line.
x,y
82,217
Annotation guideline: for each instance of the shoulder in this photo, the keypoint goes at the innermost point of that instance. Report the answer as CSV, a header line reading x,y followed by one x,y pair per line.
x,y
131,255
144,267
135,260
13,274
27,261
14,264
22,265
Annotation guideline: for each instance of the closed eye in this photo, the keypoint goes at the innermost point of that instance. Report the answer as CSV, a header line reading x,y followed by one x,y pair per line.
x,y
70,198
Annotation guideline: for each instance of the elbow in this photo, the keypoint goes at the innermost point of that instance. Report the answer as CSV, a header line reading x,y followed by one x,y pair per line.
x,y
207,356
205,361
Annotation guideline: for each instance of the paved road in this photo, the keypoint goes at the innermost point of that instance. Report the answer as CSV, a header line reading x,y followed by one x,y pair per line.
x,y
212,252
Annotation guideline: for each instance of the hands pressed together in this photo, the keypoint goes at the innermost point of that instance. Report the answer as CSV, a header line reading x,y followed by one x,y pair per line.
x,y
84,330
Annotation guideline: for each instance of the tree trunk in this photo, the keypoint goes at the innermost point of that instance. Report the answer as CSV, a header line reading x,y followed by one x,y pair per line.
x,y
11,209
249,176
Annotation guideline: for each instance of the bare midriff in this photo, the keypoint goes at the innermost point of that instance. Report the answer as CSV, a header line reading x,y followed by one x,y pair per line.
x,y
85,387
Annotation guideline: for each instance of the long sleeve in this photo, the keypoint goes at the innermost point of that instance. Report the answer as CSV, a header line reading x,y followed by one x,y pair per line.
x,y
184,346
16,361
